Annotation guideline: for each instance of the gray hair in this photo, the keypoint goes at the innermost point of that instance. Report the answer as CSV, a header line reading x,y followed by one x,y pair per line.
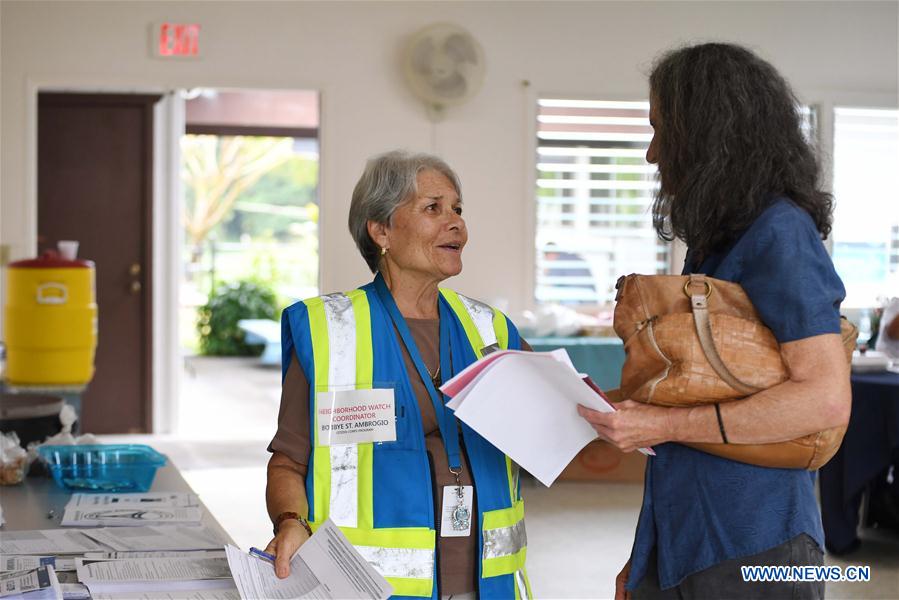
x,y
388,181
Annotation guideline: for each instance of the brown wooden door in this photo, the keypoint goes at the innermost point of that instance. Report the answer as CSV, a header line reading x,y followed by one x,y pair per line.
x,y
95,174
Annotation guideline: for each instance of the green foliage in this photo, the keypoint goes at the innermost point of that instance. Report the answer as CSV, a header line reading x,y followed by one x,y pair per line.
x,y
217,170
276,204
217,319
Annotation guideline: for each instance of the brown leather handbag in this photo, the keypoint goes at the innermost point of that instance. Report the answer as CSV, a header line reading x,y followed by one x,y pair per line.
x,y
691,340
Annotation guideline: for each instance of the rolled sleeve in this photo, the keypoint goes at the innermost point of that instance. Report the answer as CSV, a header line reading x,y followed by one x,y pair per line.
x,y
292,436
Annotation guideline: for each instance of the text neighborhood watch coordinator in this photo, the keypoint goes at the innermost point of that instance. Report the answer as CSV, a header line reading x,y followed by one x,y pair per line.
x,y
344,409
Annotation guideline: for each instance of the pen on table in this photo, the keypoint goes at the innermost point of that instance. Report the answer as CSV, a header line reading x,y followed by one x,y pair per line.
x,y
262,554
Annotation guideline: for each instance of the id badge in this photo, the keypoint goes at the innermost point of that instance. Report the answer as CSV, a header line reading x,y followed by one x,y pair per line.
x,y
355,416
456,515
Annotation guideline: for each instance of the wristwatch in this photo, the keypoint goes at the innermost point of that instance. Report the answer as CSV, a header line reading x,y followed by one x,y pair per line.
x,y
291,515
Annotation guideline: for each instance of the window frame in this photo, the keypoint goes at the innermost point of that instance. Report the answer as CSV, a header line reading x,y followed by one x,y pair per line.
x,y
676,249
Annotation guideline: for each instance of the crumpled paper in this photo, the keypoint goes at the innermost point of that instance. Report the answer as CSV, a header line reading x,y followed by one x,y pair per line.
x,y
13,459
67,418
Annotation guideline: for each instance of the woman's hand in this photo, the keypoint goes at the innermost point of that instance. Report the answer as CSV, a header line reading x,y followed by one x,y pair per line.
x,y
291,535
285,492
633,425
620,592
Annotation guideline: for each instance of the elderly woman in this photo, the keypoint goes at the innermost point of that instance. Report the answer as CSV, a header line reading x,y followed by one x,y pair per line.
x,y
431,505
739,185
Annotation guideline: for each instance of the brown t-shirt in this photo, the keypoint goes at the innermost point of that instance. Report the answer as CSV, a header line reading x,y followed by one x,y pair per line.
x,y
456,556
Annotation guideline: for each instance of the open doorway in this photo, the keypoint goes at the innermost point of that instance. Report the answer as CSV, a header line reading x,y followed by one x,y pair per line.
x,y
250,188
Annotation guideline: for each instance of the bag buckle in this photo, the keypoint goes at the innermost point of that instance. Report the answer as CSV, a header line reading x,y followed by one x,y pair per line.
x,y
708,287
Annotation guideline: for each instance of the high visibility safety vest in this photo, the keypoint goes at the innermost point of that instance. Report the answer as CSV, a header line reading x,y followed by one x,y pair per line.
x,y
380,494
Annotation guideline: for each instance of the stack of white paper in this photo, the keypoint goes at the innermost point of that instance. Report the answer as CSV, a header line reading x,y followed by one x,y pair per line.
x,y
125,575
163,562
326,566
525,404
224,594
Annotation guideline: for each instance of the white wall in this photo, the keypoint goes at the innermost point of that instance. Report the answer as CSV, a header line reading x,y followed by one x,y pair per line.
x,y
832,52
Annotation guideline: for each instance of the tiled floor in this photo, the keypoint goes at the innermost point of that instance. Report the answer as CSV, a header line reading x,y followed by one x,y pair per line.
x,y
579,534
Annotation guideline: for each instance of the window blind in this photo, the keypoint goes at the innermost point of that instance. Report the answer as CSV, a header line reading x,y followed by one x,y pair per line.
x,y
866,215
594,193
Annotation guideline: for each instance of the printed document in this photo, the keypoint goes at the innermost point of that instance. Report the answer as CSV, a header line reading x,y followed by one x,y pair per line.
x,y
47,541
225,594
26,562
166,537
157,554
525,404
37,584
122,510
132,500
153,574
129,517
326,566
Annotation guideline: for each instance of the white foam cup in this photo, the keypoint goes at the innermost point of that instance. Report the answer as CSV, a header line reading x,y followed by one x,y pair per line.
x,y
68,249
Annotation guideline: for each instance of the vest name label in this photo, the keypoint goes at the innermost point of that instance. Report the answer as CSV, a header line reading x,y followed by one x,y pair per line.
x,y
355,416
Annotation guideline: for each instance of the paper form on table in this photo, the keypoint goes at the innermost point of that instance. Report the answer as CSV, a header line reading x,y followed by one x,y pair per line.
x,y
169,537
153,574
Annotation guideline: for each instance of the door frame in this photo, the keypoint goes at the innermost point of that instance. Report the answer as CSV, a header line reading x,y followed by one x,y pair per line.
x,y
165,241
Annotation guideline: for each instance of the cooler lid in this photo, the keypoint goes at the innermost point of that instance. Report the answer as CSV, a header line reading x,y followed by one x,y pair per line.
x,y
51,259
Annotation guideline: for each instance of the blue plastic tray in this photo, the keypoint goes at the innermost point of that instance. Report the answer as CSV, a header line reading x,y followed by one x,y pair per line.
x,y
103,468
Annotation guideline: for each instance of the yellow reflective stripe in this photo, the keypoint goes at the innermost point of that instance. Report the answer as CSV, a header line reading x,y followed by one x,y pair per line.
x,y
527,582
471,332
515,587
364,378
419,538
504,565
364,359
322,489
511,481
501,327
504,517
411,587
365,485
318,331
392,537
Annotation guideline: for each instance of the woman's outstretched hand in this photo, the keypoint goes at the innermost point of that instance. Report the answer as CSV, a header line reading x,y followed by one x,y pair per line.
x,y
291,535
633,425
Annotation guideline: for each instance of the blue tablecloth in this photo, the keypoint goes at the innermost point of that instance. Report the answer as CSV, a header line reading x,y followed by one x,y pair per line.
x,y
871,440
599,357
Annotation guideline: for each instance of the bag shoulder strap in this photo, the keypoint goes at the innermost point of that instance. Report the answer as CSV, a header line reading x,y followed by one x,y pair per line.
x,y
698,289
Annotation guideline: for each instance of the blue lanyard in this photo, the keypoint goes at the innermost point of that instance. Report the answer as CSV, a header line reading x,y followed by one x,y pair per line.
x,y
446,420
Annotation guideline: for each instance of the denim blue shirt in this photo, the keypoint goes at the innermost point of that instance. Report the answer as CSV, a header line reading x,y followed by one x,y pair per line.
x,y
698,509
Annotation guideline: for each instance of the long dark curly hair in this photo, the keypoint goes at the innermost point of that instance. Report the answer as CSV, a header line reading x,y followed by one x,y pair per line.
x,y
728,141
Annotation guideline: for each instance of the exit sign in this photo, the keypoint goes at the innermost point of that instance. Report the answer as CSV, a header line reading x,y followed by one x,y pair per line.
x,y
176,40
